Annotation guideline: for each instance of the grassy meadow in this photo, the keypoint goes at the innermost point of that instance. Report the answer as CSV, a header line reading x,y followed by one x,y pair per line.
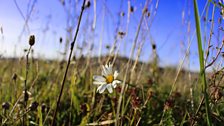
x,y
67,92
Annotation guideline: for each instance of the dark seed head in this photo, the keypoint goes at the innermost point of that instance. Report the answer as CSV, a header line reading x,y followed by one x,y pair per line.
x,y
26,95
88,4
43,107
32,40
14,76
121,34
148,14
153,46
5,105
131,9
108,46
60,40
223,55
122,14
145,10
33,106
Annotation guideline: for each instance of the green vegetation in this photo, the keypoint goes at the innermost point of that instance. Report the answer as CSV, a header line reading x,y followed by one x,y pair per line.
x,y
144,102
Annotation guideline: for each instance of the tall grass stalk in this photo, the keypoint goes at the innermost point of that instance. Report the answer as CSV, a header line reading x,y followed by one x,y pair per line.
x,y
128,64
25,84
68,63
201,60
101,37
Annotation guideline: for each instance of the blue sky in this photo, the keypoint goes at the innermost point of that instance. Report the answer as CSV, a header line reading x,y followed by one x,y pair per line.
x,y
48,24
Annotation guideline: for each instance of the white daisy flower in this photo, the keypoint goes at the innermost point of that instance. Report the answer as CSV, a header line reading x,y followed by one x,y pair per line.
x,y
107,80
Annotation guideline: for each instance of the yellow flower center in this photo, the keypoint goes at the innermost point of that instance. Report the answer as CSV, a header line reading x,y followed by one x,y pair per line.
x,y
109,78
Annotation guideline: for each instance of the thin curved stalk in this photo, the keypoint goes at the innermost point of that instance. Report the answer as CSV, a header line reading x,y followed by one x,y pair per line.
x,y
68,63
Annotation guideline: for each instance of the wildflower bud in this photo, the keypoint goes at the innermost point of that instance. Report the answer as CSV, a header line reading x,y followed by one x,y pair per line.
x,y
85,108
43,107
32,40
122,14
145,10
60,40
108,46
153,46
135,102
32,50
5,105
33,106
88,4
131,9
14,77
26,95
121,34
169,104
148,14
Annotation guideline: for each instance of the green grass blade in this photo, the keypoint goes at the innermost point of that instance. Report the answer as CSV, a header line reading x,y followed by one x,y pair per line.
x,y
201,60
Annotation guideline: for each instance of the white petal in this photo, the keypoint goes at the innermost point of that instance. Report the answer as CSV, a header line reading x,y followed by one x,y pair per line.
x,y
102,88
109,88
115,82
110,68
110,65
99,82
115,74
106,66
99,78
104,71
107,72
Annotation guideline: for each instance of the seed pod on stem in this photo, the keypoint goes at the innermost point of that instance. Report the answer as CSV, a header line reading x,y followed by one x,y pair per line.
x,y
32,40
